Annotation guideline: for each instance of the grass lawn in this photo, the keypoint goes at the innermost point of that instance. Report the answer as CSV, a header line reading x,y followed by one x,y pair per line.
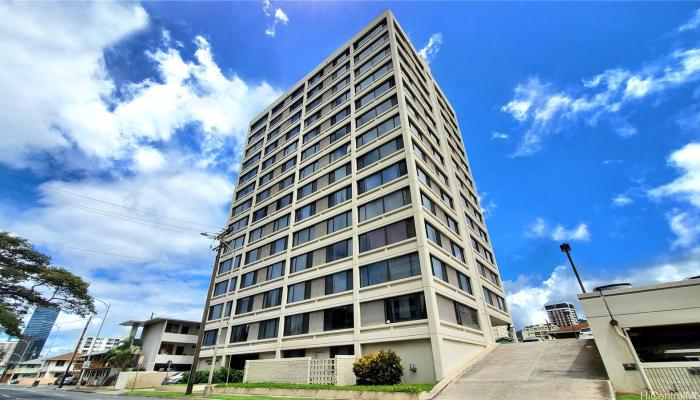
x,y
637,397
389,388
173,395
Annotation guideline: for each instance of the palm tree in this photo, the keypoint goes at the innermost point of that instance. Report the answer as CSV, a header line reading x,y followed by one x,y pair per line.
x,y
122,356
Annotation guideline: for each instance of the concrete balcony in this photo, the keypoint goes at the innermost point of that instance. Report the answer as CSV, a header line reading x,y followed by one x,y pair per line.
x,y
178,338
164,358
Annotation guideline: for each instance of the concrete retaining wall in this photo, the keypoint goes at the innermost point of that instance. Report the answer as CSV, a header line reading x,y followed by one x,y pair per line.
x,y
139,380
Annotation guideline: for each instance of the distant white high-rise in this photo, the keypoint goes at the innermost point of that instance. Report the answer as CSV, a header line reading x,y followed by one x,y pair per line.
x,y
101,344
561,314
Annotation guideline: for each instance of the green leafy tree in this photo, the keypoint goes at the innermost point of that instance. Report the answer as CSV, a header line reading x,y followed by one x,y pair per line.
x,y
27,279
122,356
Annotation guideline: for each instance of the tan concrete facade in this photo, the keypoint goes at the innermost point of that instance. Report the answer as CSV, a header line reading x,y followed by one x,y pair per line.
x,y
356,200
669,308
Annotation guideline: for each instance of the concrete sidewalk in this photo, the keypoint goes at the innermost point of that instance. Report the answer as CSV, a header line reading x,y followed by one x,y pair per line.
x,y
566,369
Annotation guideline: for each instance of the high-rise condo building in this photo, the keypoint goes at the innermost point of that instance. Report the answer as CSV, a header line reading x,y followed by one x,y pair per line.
x,y
355,224
561,314
35,334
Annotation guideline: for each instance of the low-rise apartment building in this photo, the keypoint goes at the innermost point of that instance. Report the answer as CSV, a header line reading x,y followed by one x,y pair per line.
x,y
166,340
538,331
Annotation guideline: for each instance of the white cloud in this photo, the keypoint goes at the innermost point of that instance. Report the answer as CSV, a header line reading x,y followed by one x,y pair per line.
x,y
541,228
622,200
499,136
278,16
692,23
430,50
77,107
56,74
542,110
488,205
528,294
686,226
687,186
163,150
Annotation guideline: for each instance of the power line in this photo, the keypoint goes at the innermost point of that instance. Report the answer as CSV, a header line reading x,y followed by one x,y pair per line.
x,y
141,221
113,204
112,254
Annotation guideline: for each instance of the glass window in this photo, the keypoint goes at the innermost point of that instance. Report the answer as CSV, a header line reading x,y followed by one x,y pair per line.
x,y
249,279
338,318
220,288
227,309
305,212
296,324
268,329
272,298
244,305
303,236
339,196
378,130
306,190
339,250
340,133
339,282
308,170
374,112
339,173
225,266
301,262
465,283
284,201
310,151
339,152
239,333
439,269
466,316
232,285
387,235
433,234
275,270
280,223
382,177
405,308
278,245
338,222
215,311
298,292
209,338
457,251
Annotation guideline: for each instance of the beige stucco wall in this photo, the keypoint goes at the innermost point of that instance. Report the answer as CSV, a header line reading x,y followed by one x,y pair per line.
x,y
653,305
417,352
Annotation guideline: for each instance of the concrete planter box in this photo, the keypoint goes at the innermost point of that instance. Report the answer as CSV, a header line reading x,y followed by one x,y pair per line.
x,y
326,394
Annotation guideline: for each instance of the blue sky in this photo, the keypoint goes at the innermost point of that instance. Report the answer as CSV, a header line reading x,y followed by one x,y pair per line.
x,y
122,126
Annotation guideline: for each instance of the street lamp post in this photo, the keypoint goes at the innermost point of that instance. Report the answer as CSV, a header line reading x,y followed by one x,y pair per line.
x,y
565,248
92,345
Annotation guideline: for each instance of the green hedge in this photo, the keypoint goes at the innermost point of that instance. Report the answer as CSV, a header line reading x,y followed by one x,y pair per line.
x,y
416,388
234,375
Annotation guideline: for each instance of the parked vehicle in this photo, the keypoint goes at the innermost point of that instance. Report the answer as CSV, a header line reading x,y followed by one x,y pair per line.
x,y
14,382
69,380
174,378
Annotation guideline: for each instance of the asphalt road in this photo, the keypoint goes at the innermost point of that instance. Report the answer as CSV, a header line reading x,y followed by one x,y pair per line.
x,y
15,392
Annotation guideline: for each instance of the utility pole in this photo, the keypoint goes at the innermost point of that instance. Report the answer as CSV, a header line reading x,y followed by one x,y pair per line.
x,y
565,248
75,350
92,345
200,335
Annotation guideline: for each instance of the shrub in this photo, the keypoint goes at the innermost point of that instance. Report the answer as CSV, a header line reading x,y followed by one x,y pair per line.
x,y
199,377
382,367
234,376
